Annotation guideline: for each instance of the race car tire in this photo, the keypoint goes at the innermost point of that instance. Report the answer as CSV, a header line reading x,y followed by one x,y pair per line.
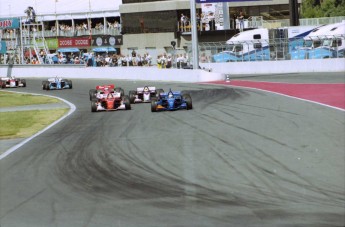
x,y
188,100
93,106
158,92
23,82
127,102
43,85
70,84
153,106
132,96
3,85
120,90
92,94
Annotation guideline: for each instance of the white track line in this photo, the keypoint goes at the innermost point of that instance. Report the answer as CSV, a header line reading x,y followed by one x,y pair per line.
x,y
72,109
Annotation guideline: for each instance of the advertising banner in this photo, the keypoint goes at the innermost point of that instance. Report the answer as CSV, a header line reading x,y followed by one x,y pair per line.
x,y
3,47
106,40
73,42
52,43
212,16
9,23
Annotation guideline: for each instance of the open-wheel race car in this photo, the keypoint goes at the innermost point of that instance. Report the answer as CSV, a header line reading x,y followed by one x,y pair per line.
x,y
56,83
172,100
144,94
10,82
107,97
104,90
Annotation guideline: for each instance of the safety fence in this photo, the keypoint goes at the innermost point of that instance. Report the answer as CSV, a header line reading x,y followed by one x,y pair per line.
x,y
272,50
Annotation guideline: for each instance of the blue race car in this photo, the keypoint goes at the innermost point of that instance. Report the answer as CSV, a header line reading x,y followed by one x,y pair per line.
x,y
172,100
56,83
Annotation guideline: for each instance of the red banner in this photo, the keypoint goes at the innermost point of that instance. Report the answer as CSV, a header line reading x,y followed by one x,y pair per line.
x,y
73,42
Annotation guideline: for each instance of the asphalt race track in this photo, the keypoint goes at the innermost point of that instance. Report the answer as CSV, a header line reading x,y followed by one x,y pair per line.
x,y
241,157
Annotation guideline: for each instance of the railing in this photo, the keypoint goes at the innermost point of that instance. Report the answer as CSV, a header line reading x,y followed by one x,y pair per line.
x,y
276,23
321,20
258,22
252,22
82,32
271,50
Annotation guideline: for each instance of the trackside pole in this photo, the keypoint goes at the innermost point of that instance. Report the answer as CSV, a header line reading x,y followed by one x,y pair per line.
x,y
10,65
195,49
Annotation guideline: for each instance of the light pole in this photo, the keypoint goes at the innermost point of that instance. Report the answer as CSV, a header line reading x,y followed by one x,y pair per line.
x,y
195,47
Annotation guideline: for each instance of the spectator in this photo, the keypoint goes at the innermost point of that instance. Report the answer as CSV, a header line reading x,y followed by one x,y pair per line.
x,y
148,59
169,62
134,57
76,60
198,19
241,20
139,60
211,22
124,60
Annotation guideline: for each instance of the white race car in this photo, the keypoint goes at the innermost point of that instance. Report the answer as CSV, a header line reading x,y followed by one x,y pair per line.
x,y
7,82
144,94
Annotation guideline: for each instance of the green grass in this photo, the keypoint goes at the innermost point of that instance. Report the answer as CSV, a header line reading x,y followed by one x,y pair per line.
x,y
21,124
9,99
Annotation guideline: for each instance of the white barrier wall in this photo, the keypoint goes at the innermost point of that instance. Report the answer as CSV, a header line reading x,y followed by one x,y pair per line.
x,y
125,73
178,75
278,67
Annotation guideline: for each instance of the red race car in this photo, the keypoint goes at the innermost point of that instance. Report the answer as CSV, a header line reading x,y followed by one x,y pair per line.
x,y
6,82
107,97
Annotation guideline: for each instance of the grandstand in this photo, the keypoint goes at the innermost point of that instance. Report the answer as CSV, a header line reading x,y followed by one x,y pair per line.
x,y
147,27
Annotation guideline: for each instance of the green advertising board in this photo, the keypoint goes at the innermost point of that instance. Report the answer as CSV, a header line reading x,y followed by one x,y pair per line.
x,y
52,44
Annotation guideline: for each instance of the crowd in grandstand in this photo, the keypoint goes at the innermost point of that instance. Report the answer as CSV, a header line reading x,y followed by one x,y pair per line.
x,y
163,60
103,59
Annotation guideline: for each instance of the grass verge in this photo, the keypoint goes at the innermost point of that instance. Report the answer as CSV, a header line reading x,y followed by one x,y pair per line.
x,y
9,99
21,124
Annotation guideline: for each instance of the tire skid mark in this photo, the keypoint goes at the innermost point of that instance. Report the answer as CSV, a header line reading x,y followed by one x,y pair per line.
x,y
310,185
22,203
234,108
246,130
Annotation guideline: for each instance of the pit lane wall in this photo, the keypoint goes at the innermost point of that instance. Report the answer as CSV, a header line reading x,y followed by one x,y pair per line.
x,y
177,75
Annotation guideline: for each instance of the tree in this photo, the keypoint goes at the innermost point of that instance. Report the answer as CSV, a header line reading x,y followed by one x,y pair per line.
x,y
322,8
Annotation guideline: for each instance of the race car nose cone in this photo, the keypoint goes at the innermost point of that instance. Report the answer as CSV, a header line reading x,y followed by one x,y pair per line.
x,y
171,103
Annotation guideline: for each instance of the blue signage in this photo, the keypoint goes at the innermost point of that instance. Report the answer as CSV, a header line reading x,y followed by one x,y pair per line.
x,y
3,47
9,23
214,1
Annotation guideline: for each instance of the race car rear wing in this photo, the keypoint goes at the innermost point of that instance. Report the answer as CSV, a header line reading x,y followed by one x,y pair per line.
x,y
141,89
105,87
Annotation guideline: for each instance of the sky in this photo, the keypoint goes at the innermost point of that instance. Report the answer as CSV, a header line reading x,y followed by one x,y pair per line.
x,y
14,8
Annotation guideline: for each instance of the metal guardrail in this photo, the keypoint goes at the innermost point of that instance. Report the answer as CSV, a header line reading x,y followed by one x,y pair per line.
x,y
272,50
321,20
9,34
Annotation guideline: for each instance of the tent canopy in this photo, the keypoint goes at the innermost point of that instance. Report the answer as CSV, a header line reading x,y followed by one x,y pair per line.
x,y
104,49
64,50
